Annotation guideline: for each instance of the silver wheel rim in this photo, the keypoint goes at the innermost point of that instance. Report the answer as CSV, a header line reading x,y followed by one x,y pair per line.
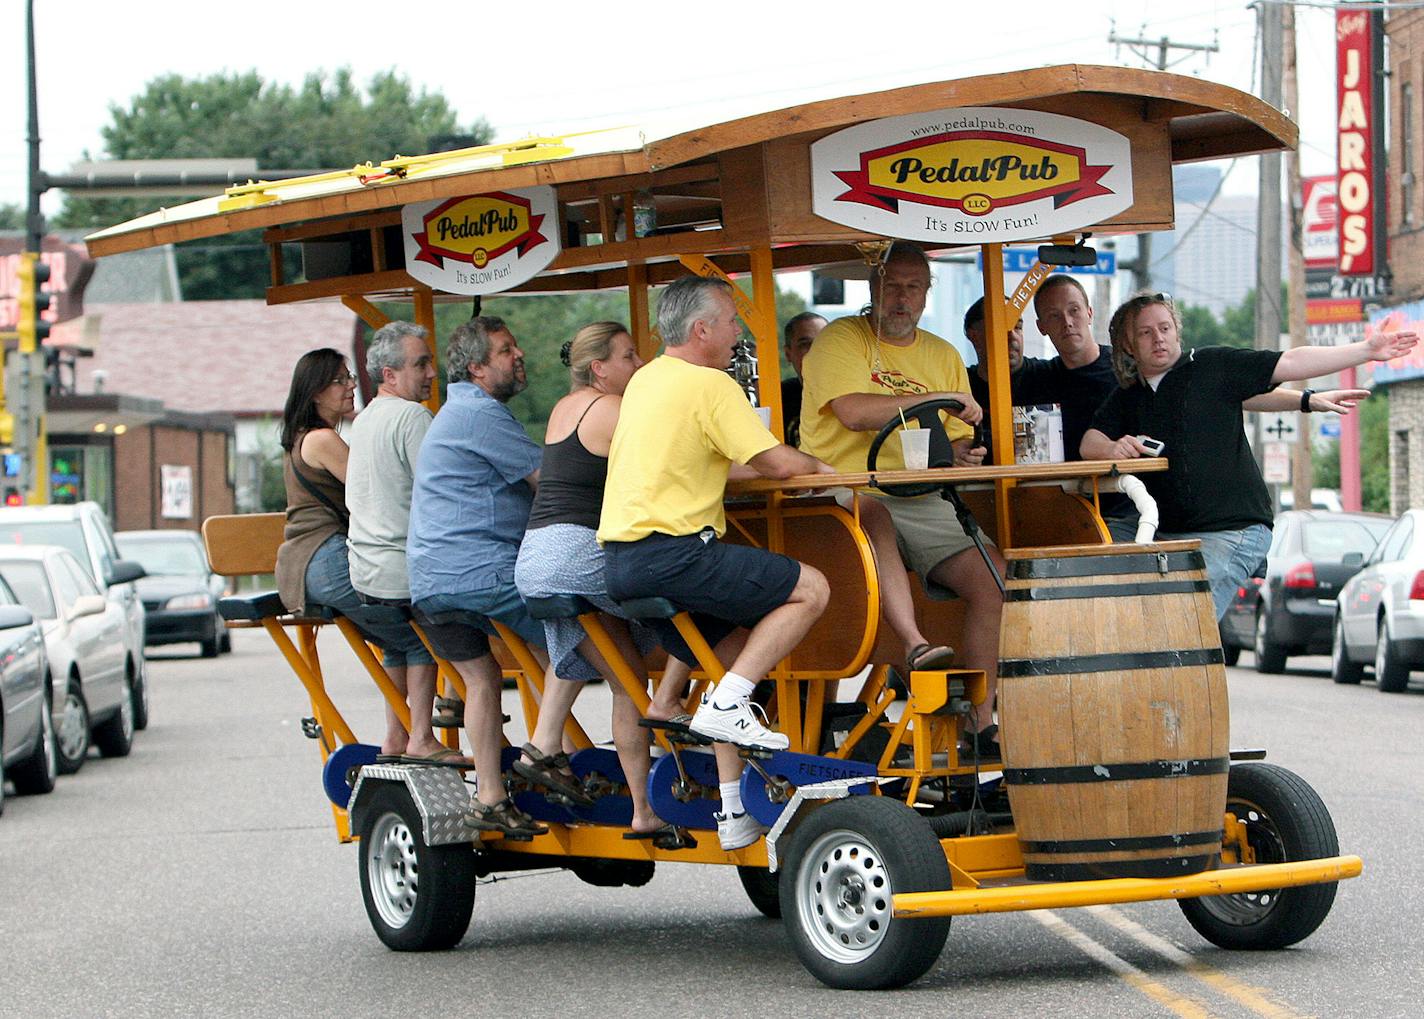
x,y
843,896
126,715
51,755
1250,908
392,871
73,727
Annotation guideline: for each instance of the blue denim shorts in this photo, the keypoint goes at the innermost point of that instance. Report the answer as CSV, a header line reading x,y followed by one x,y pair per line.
x,y
1231,557
328,582
500,603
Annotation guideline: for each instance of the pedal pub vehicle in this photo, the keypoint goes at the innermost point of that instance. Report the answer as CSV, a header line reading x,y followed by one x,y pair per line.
x,y
1117,784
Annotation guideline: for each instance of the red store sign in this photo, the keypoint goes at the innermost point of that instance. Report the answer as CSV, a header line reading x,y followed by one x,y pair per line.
x,y
1354,64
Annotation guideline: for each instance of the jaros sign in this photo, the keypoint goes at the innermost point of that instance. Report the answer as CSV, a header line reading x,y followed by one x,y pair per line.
x,y
972,174
481,244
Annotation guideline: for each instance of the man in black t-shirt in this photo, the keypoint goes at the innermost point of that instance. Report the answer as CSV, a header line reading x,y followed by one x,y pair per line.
x,y
800,331
1192,402
979,373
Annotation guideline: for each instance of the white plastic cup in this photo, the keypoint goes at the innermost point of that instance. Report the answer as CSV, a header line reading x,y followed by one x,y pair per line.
x,y
915,444
765,414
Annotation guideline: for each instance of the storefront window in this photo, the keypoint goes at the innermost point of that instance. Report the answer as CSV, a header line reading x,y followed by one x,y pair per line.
x,y
80,473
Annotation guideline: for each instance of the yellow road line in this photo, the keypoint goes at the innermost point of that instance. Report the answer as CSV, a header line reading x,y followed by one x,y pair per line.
x,y
1252,997
1181,1004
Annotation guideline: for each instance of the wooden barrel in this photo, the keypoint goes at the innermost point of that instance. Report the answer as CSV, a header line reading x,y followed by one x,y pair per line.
x,y
1113,711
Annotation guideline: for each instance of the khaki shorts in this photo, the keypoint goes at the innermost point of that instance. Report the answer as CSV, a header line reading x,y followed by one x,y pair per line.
x,y
926,529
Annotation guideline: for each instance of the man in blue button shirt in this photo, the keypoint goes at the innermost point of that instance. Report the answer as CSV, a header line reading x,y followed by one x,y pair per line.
x,y
474,486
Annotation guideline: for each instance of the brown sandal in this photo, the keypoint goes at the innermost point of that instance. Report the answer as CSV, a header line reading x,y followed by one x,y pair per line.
x,y
502,817
547,770
449,713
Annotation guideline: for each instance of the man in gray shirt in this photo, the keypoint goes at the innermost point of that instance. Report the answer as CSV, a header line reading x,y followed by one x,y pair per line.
x,y
385,440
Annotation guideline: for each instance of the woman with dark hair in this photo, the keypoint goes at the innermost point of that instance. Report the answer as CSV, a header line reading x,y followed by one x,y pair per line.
x,y
311,562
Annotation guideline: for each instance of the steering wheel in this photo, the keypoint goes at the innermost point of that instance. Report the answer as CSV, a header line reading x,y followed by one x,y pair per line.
x,y
941,452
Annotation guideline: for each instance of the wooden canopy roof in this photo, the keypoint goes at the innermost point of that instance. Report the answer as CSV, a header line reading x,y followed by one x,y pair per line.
x,y
720,191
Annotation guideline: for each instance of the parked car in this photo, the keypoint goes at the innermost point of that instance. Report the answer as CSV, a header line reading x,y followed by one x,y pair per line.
x,y
27,745
1320,498
180,594
1380,613
84,640
84,530
1291,609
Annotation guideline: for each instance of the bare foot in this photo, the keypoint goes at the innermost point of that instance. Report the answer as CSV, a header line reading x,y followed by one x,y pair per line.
x,y
423,748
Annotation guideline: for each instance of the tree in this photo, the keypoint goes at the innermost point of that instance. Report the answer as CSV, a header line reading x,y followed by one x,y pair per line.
x,y
327,122
542,324
12,217
1374,455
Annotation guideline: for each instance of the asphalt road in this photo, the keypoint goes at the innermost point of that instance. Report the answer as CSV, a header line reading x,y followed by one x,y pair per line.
x,y
201,876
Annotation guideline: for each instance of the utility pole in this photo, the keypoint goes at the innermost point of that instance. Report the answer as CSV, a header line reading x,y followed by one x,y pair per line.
x,y
1268,206
1301,474
1141,266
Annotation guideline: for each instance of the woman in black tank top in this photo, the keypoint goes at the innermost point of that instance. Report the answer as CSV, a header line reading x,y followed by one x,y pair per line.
x,y
560,553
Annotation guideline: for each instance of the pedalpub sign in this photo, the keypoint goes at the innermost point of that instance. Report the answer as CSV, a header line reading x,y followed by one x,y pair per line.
x,y
481,244
971,175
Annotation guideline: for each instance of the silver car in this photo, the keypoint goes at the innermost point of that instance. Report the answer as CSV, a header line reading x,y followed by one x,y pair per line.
x,y
1379,615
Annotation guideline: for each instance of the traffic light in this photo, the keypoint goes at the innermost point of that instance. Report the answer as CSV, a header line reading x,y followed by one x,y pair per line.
x,y
33,329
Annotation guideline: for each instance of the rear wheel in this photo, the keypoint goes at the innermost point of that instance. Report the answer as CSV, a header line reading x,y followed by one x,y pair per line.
x,y
71,729
1285,821
37,773
1270,657
419,898
114,737
763,888
1342,670
1391,675
138,691
1230,654
845,862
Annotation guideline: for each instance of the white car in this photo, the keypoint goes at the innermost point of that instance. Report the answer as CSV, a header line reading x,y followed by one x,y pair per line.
x,y
84,639
1379,616
84,530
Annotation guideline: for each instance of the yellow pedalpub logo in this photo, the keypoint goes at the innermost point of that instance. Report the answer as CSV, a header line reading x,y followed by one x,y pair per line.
x,y
974,172
479,229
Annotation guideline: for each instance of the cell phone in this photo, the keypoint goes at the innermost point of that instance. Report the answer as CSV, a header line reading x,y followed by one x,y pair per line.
x,y
1153,446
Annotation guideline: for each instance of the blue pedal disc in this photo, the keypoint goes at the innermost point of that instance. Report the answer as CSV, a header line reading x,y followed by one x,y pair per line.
x,y
528,800
798,770
603,764
702,770
342,760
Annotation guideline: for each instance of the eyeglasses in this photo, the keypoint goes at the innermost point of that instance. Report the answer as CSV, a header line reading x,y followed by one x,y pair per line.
x,y
344,379
1157,298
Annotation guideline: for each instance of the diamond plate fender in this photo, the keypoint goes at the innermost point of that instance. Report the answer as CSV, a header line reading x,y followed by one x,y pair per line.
x,y
836,789
439,795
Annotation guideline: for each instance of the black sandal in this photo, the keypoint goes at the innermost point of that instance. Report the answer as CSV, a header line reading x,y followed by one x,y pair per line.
x,y
925,657
669,836
547,770
982,744
503,817
449,713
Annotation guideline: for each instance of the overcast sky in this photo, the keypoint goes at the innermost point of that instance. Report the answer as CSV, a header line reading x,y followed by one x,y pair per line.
x,y
583,65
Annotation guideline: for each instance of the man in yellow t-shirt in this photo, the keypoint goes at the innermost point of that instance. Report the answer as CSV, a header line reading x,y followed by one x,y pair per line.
x,y
861,372
683,423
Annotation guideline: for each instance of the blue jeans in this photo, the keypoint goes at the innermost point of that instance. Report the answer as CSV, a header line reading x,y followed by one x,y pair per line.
x,y
1231,557
329,583
500,602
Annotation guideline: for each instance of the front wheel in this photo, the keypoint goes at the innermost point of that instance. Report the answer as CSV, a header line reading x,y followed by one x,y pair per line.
x,y
71,728
1285,821
1391,675
1270,657
37,773
138,692
1230,654
419,898
845,862
1342,670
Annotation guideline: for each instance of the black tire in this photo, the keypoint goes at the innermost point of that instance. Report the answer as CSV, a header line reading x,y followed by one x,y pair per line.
x,y
114,736
613,873
1230,654
209,647
71,730
225,638
1285,821
1342,669
1391,675
419,898
1270,657
138,691
36,774
844,863
763,888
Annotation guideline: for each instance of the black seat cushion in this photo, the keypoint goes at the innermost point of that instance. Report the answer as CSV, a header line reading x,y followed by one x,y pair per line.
x,y
455,617
649,608
252,607
558,606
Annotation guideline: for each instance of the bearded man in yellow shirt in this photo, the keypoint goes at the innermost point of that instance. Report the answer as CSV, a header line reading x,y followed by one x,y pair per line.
x,y
683,425
861,372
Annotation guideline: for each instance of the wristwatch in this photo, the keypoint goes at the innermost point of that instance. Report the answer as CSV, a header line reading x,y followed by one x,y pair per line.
x,y
1305,400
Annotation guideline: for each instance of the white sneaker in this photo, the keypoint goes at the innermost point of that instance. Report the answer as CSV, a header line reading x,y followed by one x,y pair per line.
x,y
736,725
738,830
